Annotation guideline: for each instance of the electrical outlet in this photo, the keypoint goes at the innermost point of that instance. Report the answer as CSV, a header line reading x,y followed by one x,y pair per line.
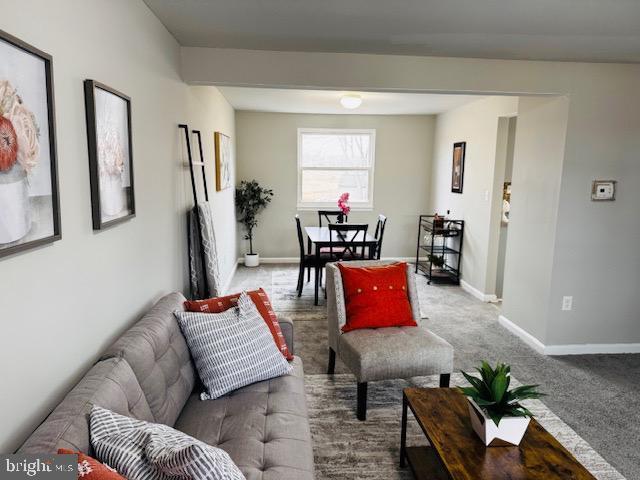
x,y
567,303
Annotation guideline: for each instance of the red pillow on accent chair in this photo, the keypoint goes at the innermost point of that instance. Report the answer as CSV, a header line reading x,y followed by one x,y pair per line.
x,y
261,301
90,468
376,296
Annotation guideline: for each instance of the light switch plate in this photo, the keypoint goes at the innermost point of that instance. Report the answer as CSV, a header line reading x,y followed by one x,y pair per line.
x,y
603,190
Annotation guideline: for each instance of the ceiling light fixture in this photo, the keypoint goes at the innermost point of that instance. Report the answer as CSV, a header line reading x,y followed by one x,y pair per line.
x,y
351,101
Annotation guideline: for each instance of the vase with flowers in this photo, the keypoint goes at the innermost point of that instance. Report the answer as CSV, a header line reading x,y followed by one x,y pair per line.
x,y
343,205
19,152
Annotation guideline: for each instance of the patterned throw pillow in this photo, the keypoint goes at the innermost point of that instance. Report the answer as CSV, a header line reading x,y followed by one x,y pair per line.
x,y
150,451
231,349
91,469
262,303
376,296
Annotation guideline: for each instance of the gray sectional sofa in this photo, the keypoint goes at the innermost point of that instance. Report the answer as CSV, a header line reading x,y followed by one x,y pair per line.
x,y
148,374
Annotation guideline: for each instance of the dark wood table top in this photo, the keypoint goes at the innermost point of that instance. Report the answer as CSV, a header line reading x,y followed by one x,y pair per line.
x,y
443,416
320,236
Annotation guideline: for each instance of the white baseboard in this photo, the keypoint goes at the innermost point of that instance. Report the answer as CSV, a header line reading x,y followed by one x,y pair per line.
x,y
529,339
271,260
484,297
577,349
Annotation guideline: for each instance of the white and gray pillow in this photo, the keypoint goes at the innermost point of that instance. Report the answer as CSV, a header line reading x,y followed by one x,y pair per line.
x,y
140,450
231,349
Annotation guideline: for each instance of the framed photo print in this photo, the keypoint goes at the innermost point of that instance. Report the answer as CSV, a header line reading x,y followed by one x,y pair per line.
x,y
29,205
223,161
110,154
457,168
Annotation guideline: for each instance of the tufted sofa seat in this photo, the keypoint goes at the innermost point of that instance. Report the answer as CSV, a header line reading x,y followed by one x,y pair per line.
x,y
148,374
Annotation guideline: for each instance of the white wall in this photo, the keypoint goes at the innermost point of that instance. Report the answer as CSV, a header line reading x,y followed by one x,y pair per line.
x,y
537,168
62,304
267,152
602,141
477,124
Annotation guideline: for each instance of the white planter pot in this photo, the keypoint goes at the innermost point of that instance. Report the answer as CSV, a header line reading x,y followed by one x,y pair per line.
x,y
251,260
15,211
111,195
509,432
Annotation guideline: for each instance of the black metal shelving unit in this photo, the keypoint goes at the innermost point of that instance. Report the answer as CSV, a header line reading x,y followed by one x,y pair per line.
x,y
440,240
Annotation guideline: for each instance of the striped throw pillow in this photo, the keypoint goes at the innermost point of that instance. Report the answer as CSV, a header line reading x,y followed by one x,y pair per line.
x,y
231,349
141,450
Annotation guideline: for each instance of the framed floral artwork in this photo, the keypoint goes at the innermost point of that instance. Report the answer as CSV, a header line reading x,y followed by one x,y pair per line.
x,y
110,154
457,168
223,161
29,204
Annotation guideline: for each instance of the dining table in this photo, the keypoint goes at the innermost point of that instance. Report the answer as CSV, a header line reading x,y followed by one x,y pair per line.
x,y
319,237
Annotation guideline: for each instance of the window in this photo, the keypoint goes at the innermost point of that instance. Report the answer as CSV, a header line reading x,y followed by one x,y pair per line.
x,y
334,161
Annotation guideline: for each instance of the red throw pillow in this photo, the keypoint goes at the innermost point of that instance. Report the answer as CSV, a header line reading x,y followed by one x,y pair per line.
x,y
90,468
376,297
261,301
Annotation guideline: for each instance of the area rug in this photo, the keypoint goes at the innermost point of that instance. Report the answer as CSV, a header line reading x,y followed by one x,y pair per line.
x,y
346,448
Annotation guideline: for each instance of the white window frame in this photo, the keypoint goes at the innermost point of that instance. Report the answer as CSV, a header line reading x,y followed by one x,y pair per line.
x,y
355,206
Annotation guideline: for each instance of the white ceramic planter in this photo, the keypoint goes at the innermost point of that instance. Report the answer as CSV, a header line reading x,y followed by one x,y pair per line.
x,y
251,260
509,432
15,213
111,196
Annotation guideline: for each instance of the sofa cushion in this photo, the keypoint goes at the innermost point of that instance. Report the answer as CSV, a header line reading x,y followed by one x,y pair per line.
x,y
232,349
91,469
263,427
110,384
372,354
152,451
159,357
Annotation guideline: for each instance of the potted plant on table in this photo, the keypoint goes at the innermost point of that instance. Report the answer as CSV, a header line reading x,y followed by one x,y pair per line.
x,y
497,415
343,205
251,198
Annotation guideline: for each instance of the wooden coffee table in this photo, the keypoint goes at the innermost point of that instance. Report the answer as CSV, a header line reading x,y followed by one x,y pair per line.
x,y
457,453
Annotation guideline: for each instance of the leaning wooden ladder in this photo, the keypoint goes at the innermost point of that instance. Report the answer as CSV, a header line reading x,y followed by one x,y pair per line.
x,y
192,264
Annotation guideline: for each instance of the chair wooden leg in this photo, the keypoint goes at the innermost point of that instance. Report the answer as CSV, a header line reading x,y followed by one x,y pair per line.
x,y
308,274
317,285
444,380
300,280
362,401
332,362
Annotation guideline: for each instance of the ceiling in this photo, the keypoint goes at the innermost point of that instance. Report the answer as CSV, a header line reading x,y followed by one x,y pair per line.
x,y
328,102
572,30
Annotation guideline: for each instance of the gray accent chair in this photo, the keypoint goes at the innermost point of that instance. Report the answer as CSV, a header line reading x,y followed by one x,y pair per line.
x,y
148,374
383,353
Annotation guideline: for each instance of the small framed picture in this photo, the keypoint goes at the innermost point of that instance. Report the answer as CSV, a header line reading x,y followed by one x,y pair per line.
x,y
29,206
110,154
223,161
457,168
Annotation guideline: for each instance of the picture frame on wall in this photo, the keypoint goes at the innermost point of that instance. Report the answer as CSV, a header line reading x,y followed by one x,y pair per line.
x,y
457,167
109,139
29,201
223,152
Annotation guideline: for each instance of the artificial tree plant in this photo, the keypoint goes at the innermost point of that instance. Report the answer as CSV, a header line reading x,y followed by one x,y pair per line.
x,y
251,198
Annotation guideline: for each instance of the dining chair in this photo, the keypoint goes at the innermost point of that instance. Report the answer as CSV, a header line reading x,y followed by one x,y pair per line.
x,y
345,239
331,216
307,260
382,222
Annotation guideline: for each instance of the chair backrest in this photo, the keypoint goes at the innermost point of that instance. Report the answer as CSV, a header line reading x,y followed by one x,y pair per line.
x,y
345,239
382,222
300,238
331,216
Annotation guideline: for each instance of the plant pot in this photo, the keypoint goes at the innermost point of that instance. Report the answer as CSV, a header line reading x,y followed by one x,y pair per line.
x,y
508,433
251,259
111,195
15,214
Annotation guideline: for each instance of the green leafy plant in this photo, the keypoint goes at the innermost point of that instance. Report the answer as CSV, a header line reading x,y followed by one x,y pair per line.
x,y
437,260
251,198
491,392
